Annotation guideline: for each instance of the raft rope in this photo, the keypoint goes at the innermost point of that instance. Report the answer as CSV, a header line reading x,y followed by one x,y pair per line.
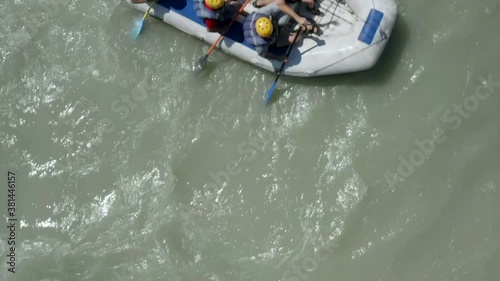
x,y
350,11
334,10
351,55
333,13
383,34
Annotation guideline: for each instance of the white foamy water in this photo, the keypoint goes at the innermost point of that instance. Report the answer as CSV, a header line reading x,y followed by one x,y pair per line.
x,y
131,168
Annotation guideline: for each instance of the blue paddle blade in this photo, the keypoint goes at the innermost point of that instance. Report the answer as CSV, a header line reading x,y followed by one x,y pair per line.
x,y
270,93
137,29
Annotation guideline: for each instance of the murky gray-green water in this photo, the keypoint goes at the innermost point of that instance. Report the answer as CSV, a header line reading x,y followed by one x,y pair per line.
x,y
130,168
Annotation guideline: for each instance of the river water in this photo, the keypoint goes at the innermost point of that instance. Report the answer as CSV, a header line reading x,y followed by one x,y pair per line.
x,y
128,167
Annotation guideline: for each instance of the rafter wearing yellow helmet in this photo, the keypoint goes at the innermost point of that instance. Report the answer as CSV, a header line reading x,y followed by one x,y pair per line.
x,y
217,14
264,27
259,30
215,4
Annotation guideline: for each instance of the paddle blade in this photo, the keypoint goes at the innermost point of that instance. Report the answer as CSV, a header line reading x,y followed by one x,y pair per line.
x,y
138,25
269,94
200,63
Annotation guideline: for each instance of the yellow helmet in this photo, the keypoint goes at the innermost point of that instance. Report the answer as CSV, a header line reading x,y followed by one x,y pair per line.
x,y
215,4
264,27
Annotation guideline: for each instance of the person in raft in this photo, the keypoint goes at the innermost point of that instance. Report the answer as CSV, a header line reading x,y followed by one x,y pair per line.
x,y
261,30
217,14
310,5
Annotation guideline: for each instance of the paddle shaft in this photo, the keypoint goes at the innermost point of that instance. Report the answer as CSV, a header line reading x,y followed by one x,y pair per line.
x,y
288,53
147,13
230,24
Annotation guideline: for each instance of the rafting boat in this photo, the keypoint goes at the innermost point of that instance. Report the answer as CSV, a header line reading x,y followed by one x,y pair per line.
x,y
355,33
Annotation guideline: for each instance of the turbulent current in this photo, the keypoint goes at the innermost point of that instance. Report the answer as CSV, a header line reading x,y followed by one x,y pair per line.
x,y
129,167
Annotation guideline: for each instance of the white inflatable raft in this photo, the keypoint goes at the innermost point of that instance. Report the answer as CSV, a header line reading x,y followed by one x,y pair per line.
x,y
355,33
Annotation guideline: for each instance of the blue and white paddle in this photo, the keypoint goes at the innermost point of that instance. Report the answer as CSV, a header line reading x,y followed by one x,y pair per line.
x,y
139,24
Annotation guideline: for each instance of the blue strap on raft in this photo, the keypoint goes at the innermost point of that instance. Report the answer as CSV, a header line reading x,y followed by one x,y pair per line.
x,y
371,25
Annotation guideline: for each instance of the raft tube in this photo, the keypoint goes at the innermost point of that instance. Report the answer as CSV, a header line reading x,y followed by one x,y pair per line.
x,y
355,33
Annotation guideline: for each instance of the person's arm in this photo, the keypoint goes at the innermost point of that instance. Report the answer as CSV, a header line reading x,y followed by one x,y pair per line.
x,y
289,11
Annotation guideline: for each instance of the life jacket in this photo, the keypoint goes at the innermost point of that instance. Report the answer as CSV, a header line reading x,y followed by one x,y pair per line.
x,y
250,32
204,12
